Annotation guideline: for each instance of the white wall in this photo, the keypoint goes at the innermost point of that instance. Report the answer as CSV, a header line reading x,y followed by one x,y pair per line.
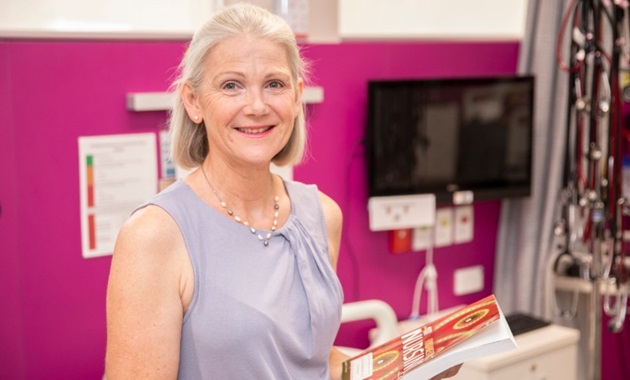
x,y
432,19
335,20
329,20
105,18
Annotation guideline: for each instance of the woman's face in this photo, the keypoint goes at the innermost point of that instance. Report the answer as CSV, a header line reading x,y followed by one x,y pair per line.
x,y
248,100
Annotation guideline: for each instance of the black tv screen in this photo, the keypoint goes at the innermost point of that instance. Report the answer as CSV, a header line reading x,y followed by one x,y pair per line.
x,y
450,136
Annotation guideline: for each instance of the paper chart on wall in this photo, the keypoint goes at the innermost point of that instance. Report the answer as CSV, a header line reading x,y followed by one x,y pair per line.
x,y
117,173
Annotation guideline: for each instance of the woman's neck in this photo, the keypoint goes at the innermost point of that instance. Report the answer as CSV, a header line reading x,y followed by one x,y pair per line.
x,y
247,185
253,194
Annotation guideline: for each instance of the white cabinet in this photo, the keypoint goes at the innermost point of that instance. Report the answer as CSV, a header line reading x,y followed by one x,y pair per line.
x,y
548,353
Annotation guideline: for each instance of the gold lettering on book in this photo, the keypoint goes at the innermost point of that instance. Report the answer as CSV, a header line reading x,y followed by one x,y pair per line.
x,y
428,347
413,349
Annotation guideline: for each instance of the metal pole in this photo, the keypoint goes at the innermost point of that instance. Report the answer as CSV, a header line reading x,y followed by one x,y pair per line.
x,y
595,336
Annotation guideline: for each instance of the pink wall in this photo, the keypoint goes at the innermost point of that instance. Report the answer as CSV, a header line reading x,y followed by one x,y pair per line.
x,y
53,320
10,292
366,268
53,92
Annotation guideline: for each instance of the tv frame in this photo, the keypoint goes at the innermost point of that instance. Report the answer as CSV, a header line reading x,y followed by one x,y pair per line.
x,y
450,193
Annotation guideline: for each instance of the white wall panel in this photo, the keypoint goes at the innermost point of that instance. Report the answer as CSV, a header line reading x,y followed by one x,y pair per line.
x,y
431,19
117,18
330,20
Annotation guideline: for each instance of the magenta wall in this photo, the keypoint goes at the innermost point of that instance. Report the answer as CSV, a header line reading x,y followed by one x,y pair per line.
x,y
366,268
52,324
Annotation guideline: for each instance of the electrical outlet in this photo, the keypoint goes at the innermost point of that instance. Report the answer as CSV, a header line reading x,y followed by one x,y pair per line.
x,y
422,237
468,280
443,227
401,212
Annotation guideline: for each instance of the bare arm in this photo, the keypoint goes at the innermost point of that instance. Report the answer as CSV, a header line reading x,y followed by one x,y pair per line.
x,y
333,217
144,298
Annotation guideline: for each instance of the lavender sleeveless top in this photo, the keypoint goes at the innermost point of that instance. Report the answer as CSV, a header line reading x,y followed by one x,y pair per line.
x,y
257,312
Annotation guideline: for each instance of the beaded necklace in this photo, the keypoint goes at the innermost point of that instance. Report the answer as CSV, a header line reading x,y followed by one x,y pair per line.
x,y
276,208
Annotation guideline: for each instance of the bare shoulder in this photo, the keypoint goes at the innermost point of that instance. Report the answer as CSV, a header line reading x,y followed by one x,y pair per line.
x,y
150,250
149,222
144,297
150,235
149,253
333,218
331,208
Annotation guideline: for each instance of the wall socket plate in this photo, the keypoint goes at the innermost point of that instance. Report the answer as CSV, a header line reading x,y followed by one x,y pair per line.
x,y
443,227
464,224
401,211
468,280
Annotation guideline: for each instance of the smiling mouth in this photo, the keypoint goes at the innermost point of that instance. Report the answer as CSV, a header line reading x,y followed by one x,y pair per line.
x,y
254,131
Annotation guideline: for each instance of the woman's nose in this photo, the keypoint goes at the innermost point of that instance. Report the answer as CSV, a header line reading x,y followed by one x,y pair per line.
x,y
256,103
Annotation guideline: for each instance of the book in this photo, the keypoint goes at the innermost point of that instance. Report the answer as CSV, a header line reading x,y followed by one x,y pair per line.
x,y
468,333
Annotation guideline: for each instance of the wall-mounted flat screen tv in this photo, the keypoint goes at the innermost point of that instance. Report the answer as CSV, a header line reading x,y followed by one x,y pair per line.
x,y
450,137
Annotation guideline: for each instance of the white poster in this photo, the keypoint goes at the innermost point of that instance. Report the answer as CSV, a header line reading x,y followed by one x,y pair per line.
x,y
117,173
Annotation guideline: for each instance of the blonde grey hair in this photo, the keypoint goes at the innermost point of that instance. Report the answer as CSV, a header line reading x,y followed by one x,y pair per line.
x,y
189,141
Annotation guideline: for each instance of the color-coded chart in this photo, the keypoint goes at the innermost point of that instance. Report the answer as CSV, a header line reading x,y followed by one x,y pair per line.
x,y
117,173
89,172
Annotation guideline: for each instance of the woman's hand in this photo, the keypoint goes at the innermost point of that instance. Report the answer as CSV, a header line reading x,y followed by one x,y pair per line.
x,y
335,361
448,373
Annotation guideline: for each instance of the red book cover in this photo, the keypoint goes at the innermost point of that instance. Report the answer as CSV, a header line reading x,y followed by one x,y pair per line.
x,y
400,356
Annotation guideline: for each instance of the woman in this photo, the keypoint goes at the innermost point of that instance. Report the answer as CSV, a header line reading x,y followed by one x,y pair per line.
x,y
229,273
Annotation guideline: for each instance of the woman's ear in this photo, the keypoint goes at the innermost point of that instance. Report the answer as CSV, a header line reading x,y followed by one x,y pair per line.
x,y
191,103
298,94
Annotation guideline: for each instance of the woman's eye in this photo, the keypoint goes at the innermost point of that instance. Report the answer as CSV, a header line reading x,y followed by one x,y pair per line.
x,y
230,86
276,84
